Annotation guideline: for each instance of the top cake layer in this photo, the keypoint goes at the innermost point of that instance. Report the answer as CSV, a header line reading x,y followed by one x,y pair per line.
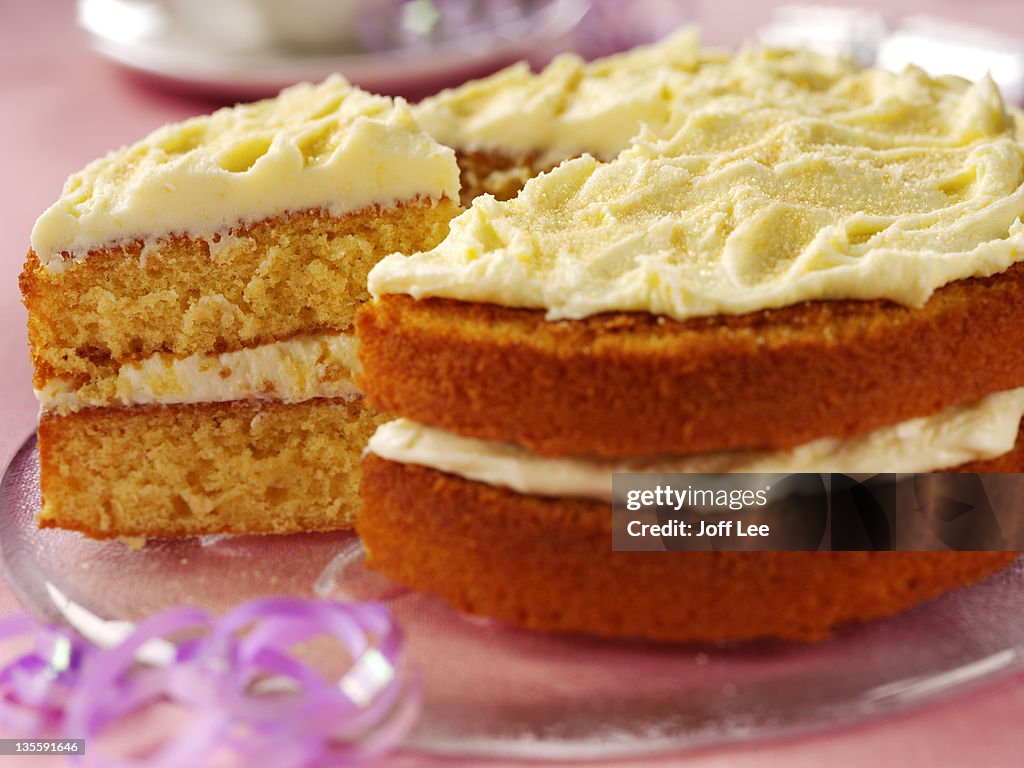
x,y
328,146
824,184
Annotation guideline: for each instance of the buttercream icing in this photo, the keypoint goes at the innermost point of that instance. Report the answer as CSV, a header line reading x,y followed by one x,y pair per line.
x,y
861,186
328,146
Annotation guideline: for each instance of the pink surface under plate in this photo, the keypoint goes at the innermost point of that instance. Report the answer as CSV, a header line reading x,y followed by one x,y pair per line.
x,y
935,687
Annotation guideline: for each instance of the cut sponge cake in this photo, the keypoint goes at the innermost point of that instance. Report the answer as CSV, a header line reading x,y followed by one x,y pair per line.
x,y
289,275
190,304
814,269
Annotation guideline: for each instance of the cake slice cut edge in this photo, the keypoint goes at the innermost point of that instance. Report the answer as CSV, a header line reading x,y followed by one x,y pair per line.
x,y
191,300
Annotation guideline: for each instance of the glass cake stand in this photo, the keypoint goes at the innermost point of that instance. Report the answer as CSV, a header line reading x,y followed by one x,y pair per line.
x,y
490,689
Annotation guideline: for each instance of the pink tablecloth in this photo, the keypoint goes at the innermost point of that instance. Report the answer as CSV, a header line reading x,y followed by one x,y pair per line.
x,y
64,106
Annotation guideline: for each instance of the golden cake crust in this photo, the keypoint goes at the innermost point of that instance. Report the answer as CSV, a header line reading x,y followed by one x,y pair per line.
x,y
634,385
546,564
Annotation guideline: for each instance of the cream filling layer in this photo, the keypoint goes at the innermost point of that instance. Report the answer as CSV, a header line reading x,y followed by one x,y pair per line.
x,y
328,146
290,371
976,431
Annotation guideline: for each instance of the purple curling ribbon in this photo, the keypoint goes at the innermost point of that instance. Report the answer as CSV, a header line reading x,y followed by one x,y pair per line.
x,y
247,693
34,689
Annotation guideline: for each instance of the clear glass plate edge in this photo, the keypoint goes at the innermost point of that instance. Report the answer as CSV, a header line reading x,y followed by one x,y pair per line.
x,y
903,697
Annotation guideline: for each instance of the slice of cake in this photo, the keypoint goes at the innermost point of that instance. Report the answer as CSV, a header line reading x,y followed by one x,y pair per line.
x,y
514,124
820,274
191,300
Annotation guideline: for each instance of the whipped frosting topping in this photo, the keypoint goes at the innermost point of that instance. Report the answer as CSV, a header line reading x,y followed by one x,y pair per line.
x,y
977,431
328,146
571,106
290,371
861,185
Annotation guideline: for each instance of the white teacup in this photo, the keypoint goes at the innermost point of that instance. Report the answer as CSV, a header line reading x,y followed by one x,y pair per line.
x,y
249,25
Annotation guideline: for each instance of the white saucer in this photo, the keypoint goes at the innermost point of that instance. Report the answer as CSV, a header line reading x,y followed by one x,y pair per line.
x,y
145,39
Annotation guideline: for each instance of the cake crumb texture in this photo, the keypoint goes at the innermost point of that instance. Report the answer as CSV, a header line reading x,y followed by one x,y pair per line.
x,y
298,273
182,470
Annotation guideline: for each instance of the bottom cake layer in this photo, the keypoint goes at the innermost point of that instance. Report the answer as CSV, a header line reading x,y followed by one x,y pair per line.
x,y
546,564
183,470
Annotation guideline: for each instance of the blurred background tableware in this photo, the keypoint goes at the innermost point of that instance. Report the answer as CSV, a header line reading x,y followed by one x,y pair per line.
x,y
940,46
251,48
241,49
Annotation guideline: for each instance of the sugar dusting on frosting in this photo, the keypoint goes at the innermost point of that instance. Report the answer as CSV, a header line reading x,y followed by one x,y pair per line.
x,y
791,186
573,106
